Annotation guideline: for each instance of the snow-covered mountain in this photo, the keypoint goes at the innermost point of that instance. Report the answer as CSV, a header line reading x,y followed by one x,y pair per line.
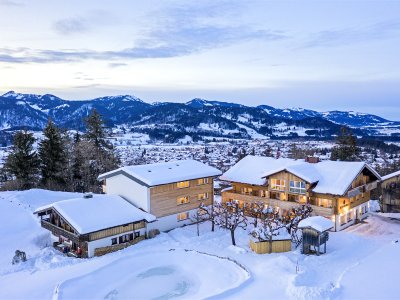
x,y
196,118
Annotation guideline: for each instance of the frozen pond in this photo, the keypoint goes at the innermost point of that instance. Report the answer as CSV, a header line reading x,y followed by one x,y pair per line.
x,y
160,275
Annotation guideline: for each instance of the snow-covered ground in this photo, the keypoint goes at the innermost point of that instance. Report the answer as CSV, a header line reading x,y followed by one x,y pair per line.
x,y
362,263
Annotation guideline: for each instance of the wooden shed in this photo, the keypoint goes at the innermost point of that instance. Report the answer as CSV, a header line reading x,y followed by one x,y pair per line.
x,y
315,234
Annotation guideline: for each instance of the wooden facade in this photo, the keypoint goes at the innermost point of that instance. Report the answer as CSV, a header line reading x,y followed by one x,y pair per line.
x,y
391,194
164,198
59,227
285,197
277,246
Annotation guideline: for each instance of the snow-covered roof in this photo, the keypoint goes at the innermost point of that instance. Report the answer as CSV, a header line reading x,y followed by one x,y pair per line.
x,y
391,175
332,177
97,213
166,172
318,223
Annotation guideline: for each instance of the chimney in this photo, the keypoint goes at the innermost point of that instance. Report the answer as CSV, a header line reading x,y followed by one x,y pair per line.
x,y
312,159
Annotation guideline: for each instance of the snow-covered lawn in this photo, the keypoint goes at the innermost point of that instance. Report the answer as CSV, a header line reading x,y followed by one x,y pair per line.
x,y
362,263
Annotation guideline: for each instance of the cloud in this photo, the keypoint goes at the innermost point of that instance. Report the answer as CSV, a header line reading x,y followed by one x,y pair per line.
x,y
177,31
11,3
71,26
346,36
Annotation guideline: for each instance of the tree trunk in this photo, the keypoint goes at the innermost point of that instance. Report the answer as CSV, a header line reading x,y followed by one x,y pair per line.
x,y
270,246
233,237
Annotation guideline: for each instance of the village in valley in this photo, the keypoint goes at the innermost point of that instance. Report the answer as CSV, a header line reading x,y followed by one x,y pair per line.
x,y
255,214
213,149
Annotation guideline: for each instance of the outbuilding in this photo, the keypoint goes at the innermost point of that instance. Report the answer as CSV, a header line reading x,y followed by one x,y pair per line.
x,y
315,234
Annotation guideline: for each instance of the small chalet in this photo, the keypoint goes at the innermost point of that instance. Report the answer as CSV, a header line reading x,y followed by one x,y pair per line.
x,y
94,225
390,186
171,191
315,234
335,189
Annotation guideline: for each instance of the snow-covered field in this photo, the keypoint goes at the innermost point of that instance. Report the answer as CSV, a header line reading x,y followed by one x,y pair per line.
x,y
362,263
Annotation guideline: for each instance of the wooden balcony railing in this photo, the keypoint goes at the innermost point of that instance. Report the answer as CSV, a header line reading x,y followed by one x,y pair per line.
x,y
283,204
57,231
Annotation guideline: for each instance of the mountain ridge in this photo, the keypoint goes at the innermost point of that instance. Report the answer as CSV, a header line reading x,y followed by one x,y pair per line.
x,y
197,117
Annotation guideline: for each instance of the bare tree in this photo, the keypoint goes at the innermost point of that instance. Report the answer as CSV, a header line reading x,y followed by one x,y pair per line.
x,y
230,216
269,227
254,210
293,219
203,213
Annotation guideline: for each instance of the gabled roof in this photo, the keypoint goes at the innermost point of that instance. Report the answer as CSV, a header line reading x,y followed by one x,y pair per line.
x,y
332,177
166,172
391,175
317,223
97,213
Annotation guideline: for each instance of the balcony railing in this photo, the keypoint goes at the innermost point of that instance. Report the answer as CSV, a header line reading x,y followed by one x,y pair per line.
x,y
283,204
362,189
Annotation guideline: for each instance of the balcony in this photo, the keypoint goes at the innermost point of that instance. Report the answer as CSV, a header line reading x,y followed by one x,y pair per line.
x,y
57,231
362,189
283,204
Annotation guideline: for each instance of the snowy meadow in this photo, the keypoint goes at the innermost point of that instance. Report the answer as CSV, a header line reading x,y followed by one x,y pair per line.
x,y
359,263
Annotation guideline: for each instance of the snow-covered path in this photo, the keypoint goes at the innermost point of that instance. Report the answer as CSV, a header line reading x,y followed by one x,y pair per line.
x,y
361,262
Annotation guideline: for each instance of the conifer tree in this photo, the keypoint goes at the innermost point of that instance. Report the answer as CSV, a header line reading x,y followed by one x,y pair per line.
x,y
346,146
53,158
23,162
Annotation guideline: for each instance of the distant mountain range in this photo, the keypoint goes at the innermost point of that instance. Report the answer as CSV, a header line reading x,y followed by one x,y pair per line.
x,y
196,119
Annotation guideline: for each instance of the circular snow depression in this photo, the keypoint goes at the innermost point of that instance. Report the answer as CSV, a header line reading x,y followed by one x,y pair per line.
x,y
161,275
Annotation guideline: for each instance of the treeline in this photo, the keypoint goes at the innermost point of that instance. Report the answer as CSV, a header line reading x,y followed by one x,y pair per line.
x,y
60,161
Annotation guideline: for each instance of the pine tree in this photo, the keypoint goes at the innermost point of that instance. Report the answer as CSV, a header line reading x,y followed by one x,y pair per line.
x,y
53,158
95,152
22,163
346,146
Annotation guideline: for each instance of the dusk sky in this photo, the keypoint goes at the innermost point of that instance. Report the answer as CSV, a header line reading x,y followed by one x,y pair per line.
x,y
321,55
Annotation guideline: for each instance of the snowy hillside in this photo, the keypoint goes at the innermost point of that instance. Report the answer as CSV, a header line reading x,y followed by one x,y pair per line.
x,y
361,263
178,120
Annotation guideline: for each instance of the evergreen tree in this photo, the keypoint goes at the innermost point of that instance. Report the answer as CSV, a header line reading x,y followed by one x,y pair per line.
x,y
346,146
23,162
95,153
53,158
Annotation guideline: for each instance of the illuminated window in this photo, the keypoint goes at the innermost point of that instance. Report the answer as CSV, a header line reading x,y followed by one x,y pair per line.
x,y
247,190
182,184
182,200
298,187
278,184
202,181
202,196
182,216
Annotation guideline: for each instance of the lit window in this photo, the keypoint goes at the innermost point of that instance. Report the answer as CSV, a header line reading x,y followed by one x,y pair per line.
x,y
298,187
202,181
182,184
247,190
182,216
278,184
182,200
202,196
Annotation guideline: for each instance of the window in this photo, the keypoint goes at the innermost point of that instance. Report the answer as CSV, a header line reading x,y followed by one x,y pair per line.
x,y
182,216
263,193
202,181
182,184
182,200
277,196
278,184
293,198
137,234
322,202
114,241
298,187
125,238
247,190
202,196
